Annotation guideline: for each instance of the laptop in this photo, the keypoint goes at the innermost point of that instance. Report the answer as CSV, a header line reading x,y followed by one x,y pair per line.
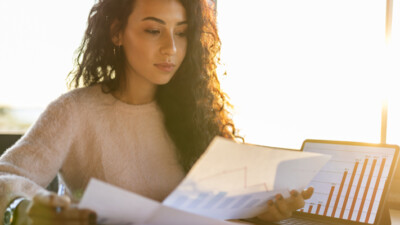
x,y
351,188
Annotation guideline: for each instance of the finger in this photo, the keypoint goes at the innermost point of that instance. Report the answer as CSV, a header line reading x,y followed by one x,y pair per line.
x,y
77,214
43,210
51,199
272,213
307,193
40,211
283,206
41,221
295,201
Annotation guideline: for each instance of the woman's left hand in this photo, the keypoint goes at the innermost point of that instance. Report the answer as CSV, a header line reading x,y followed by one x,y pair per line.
x,y
282,208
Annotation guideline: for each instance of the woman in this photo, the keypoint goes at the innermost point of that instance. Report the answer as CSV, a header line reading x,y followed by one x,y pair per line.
x,y
149,106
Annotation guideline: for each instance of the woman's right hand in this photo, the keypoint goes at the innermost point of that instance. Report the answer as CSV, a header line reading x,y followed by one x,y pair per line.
x,y
42,210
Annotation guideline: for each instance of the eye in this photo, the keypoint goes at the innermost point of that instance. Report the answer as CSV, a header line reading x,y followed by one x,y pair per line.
x,y
153,32
181,34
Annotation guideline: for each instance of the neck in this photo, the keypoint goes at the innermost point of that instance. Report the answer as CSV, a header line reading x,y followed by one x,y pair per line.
x,y
136,92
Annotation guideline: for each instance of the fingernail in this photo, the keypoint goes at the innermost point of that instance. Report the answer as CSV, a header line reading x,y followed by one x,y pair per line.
x,y
278,197
294,193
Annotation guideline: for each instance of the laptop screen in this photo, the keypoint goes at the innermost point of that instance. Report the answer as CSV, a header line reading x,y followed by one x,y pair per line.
x,y
351,185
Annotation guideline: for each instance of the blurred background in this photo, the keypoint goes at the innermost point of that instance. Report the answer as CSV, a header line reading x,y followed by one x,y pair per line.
x,y
296,69
310,69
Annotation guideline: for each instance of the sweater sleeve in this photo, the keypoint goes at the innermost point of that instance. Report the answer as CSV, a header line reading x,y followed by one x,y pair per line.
x,y
29,165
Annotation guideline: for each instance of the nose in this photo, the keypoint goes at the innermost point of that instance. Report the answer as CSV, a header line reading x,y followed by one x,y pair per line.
x,y
168,46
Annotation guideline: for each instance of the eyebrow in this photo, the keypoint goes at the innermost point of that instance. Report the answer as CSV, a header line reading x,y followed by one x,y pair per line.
x,y
162,21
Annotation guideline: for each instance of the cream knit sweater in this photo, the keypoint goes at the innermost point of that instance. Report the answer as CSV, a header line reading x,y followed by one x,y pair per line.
x,y
86,133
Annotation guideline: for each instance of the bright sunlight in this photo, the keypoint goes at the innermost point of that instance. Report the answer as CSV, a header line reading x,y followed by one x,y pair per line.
x,y
308,69
296,69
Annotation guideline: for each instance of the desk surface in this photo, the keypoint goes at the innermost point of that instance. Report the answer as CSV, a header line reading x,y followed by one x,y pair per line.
x,y
394,217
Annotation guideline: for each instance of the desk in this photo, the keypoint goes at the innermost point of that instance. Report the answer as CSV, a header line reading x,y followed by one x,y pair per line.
x,y
394,217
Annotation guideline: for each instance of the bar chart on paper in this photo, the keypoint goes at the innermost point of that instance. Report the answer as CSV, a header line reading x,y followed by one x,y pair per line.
x,y
348,186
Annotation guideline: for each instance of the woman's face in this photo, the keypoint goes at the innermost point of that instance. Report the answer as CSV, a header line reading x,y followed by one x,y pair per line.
x,y
154,40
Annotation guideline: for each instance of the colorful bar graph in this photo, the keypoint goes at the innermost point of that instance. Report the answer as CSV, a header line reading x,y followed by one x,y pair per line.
x,y
349,189
339,193
329,200
318,208
358,188
378,179
366,190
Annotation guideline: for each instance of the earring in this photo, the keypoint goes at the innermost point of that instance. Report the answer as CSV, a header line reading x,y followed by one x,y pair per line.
x,y
117,50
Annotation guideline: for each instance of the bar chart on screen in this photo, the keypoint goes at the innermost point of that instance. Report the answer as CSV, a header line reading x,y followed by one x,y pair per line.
x,y
347,187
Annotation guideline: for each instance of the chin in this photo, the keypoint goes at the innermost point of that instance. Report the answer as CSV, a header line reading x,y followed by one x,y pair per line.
x,y
162,81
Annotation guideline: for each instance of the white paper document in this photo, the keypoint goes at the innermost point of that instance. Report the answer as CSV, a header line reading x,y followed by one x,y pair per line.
x,y
232,180
229,181
116,206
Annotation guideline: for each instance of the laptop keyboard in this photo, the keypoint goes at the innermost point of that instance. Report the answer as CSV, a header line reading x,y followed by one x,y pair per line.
x,y
298,221
290,221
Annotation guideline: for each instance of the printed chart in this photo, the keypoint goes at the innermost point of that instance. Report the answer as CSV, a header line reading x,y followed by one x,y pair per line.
x,y
220,201
233,180
349,186
218,204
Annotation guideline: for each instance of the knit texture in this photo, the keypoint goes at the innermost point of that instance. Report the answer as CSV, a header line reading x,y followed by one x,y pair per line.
x,y
87,133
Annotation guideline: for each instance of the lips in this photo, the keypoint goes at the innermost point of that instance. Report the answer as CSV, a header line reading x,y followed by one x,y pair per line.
x,y
166,67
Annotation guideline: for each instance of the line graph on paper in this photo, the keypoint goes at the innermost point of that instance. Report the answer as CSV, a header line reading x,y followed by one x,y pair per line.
x,y
350,185
227,176
224,200
218,201
233,180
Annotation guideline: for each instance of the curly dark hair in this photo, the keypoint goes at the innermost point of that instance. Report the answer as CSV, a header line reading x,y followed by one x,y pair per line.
x,y
194,107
